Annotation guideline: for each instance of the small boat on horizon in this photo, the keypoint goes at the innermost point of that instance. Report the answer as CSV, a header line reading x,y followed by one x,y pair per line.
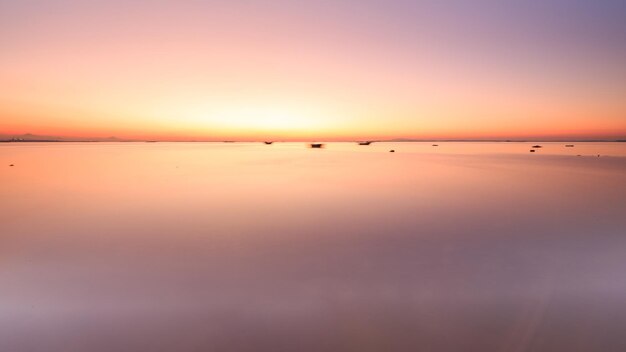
x,y
268,142
365,143
316,145
537,146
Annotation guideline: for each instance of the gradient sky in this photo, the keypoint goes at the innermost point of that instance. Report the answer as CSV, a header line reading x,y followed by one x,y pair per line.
x,y
355,69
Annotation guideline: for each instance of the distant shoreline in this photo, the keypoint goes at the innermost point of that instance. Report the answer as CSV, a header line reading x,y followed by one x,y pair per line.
x,y
347,141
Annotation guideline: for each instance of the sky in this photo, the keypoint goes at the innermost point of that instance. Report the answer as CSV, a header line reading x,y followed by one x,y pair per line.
x,y
323,70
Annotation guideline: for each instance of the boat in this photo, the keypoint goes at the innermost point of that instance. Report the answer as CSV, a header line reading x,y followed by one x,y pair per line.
x,y
537,146
365,143
316,145
569,145
270,142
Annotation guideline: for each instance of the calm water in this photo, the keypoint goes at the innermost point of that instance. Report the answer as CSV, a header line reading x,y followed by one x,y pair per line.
x,y
247,247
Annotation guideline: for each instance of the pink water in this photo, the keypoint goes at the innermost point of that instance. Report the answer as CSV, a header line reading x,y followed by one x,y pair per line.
x,y
248,247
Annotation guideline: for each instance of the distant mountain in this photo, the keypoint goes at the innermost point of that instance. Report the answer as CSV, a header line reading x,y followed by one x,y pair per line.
x,y
29,137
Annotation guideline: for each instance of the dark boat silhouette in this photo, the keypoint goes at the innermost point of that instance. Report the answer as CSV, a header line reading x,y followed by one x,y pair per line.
x,y
316,145
569,145
435,145
537,146
270,142
365,143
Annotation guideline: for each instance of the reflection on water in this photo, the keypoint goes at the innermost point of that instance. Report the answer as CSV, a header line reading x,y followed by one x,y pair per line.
x,y
253,247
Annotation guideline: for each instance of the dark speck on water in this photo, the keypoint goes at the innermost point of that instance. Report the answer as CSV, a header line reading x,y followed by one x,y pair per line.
x,y
392,151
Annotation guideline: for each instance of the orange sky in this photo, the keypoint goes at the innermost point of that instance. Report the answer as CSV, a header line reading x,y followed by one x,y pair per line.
x,y
310,70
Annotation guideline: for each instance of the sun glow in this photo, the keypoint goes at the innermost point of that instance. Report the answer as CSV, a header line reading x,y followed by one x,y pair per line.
x,y
217,71
262,118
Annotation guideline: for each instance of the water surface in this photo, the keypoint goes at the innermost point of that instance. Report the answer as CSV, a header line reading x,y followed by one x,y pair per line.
x,y
249,247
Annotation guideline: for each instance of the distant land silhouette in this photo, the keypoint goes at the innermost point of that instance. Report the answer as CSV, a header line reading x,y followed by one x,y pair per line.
x,y
29,137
